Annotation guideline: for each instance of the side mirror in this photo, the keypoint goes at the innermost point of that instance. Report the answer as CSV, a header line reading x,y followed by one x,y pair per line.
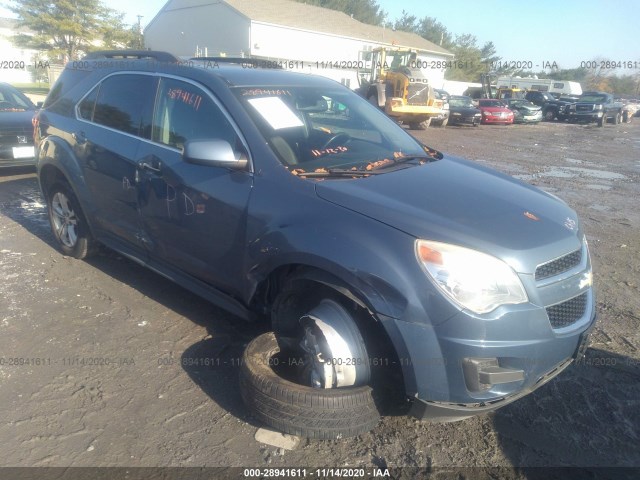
x,y
212,153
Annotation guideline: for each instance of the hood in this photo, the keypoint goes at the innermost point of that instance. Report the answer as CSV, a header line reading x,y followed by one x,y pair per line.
x,y
456,201
494,109
16,119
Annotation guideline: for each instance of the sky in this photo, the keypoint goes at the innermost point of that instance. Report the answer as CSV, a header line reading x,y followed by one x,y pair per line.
x,y
567,32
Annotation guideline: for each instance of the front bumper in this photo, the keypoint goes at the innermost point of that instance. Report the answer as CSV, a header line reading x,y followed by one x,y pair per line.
x,y
489,119
536,118
470,364
584,116
452,412
464,120
17,155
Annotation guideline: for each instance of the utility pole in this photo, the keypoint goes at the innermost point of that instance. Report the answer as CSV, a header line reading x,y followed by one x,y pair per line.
x,y
140,41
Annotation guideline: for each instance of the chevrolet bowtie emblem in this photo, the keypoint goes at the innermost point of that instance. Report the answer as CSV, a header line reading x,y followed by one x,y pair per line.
x,y
22,139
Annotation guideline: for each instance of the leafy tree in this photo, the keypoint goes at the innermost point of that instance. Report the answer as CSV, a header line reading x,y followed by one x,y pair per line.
x,y
434,31
366,11
407,23
428,28
467,52
70,27
624,85
570,74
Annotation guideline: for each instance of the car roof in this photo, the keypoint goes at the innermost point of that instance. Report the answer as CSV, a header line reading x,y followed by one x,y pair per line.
x,y
239,76
239,72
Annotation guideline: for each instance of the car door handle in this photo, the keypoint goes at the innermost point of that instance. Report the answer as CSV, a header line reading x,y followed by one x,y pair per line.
x,y
79,137
145,165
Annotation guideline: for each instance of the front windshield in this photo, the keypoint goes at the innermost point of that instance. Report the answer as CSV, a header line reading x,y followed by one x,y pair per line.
x,y
593,98
491,103
464,102
315,129
13,101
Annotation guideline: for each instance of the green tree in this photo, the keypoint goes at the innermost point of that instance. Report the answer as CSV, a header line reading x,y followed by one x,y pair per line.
x,y
624,85
570,74
428,28
434,31
467,52
365,11
68,28
406,23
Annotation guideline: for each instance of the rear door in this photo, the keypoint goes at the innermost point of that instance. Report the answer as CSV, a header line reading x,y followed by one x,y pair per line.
x,y
193,216
114,116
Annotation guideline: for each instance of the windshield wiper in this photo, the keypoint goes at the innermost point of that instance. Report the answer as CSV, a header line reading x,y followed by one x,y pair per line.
x,y
392,162
335,172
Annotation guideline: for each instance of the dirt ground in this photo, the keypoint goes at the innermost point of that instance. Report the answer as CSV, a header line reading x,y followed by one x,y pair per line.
x,y
100,360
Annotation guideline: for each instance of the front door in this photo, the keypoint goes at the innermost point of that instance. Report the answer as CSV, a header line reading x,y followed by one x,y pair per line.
x,y
193,216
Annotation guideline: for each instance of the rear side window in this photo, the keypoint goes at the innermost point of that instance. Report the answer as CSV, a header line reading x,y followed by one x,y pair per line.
x,y
185,112
87,105
124,102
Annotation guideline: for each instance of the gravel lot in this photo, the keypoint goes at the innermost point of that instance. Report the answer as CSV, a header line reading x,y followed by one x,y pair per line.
x,y
113,376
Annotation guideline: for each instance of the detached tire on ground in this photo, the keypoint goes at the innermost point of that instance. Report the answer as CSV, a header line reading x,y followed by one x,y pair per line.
x,y
297,409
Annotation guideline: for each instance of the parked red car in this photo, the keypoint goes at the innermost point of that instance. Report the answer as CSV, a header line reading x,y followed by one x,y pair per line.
x,y
494,111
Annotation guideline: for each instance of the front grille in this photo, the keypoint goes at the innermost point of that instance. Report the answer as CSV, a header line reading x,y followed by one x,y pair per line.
x,y
10,135
418,93
566,313
584,108
559,265
13,131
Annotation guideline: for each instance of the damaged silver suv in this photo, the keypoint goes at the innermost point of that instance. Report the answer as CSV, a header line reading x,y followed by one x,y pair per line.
x,y
379,263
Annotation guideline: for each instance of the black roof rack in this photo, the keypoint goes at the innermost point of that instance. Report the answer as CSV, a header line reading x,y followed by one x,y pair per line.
x,y
240,60
133,54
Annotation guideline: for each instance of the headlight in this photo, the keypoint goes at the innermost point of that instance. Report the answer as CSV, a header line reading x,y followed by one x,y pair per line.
x,y
473,280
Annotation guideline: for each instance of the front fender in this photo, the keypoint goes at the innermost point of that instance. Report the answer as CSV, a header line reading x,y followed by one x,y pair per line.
x,y
346,258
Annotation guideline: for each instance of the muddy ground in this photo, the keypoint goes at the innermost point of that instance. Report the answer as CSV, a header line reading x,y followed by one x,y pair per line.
x,y
148,403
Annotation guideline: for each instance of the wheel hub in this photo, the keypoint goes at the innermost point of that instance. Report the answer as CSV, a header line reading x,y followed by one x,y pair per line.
x,y
335,354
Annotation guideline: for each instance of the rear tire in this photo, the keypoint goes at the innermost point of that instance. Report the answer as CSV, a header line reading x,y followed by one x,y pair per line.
x,y
419,125
68,223
321,413
617,118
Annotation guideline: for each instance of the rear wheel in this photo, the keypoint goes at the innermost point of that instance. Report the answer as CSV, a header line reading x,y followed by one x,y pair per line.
x,y
617,118
419,125
68,222
550,114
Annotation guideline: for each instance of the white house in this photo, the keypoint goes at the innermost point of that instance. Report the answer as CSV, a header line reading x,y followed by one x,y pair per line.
x,y
307,37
